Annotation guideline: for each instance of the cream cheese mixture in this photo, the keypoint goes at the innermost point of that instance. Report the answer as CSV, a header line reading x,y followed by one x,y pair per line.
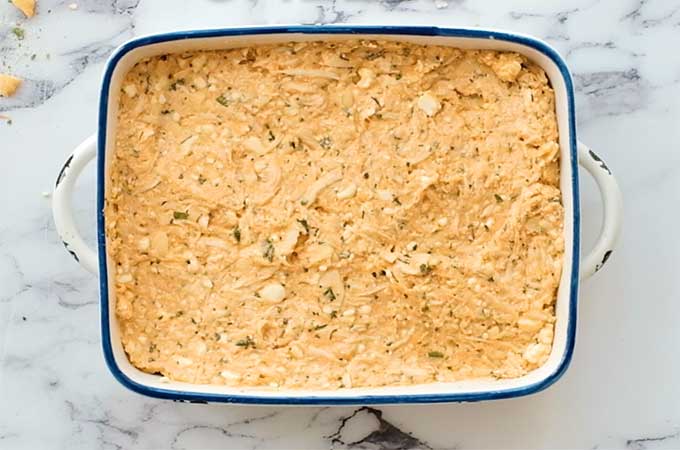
x,y
335,215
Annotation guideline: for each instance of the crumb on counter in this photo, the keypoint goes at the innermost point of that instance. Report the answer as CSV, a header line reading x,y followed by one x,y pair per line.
x,y
8,85
25,6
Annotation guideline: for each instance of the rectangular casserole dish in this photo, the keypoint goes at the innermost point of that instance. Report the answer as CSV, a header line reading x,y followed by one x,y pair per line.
x,y
102,144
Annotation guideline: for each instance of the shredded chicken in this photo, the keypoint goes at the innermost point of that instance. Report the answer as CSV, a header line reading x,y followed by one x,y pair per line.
x,y
329,215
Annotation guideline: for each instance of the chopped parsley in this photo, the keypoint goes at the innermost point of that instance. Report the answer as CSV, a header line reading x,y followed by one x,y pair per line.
x,y
320,327
374,55
174,84
499,199
268,253
237,234
304,224
222,100
425,269
329,293
271,136
435,354
325,143
179,215
248,342
19,33
201,179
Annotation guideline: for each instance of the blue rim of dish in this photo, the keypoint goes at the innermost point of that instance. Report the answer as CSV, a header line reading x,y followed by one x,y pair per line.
x,y
200,397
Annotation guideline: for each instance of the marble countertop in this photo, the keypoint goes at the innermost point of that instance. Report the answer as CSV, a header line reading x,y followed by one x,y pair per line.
x,y
622,389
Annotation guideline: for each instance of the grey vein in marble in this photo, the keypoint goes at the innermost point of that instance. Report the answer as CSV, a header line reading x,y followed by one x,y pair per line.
x,y
644,443
384,436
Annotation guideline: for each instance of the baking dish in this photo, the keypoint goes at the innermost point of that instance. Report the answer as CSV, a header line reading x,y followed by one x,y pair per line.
x,y
572,153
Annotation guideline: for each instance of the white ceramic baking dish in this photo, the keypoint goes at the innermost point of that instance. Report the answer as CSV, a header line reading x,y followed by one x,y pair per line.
x,y
572,153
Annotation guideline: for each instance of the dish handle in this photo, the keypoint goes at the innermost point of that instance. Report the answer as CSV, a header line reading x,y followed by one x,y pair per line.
x,y
61,204
613,210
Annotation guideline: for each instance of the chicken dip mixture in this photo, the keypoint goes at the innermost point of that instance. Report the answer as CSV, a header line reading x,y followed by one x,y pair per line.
x,y
335,215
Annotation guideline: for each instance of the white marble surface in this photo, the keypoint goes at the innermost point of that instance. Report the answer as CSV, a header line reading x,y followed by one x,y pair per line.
x,y
623,386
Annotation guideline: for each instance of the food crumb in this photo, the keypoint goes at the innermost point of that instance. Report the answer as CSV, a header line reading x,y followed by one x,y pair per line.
x,y
8,85
25,6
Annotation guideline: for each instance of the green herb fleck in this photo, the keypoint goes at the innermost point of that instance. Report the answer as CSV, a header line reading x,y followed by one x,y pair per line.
x,y
320,327
490,279
269,251
398,76
222,100
237,234
325,143
271,136
425,269
248,342
435,354
179,215
303,202
425,308
33,56
329,293
174,84
373,55
19,33
201,179
304,224
334,314
179,313
499,199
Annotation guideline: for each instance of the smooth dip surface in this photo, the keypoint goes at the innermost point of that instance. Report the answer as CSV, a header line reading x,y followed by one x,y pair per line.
x,y
334,215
